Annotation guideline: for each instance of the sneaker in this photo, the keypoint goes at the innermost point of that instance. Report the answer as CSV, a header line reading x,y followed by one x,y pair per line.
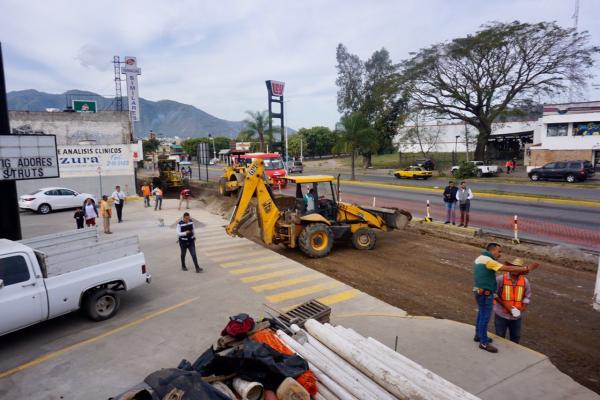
x,y
476,339
454,223
488,347
447,222
184,269
198,270
459,225
466,226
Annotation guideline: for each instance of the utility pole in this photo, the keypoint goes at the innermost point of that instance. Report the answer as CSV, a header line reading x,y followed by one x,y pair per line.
x,y
301,156
10,222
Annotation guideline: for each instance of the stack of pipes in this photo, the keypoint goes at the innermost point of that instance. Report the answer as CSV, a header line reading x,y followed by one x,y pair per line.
x,y
352,367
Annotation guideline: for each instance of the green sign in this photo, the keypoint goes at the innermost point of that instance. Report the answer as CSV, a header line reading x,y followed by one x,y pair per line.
x,y
84,106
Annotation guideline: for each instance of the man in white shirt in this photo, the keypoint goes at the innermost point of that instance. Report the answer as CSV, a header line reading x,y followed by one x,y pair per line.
x,y
464,196
119,200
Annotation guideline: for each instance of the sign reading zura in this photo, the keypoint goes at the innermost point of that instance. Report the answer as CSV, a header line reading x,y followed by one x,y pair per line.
x,y
277,88
24,157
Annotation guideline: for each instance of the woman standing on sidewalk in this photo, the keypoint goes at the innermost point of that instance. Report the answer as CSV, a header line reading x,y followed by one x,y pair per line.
x,y
106,212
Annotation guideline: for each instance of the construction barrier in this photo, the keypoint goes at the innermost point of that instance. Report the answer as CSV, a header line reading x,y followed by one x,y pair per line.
x,y
516,230
428,217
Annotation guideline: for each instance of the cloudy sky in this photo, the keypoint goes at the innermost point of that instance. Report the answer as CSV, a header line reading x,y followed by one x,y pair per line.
x,y
217,55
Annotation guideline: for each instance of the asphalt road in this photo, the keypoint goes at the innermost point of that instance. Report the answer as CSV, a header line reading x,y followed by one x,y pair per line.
x,y
568,223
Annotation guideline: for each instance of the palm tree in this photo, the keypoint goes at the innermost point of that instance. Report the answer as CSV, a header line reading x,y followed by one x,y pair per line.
x,y
257,124
356,135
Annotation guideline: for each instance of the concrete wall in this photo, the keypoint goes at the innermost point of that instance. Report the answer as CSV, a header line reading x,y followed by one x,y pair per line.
x,y
81,184
107,127
539,157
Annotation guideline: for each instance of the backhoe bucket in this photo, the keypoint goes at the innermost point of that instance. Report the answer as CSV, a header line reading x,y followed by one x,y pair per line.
x,y
394,217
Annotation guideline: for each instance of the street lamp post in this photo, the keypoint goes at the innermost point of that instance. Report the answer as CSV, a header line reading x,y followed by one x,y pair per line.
x,y
210,137
455,158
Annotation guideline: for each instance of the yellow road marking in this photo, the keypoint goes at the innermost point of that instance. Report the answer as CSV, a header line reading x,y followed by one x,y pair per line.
x,y
523,197
238,247
339,297
250,261
292,294
269,275
57,353
225,257
285,283
241,271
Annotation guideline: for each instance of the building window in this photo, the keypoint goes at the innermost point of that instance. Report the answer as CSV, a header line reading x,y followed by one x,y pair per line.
x,y
586,129
557,130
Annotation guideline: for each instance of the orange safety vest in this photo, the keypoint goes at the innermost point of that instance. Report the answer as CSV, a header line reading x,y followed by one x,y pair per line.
x,y
511,293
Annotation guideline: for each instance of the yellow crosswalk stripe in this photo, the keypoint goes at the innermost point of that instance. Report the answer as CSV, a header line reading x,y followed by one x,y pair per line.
x,y
269,275
285,283
211,248
224,257
250,261
241,271
292,294
339,297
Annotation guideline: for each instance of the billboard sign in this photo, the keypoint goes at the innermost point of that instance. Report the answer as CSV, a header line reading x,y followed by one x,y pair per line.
x,y
243,146
203,153
131,71
276,88
84,106
85,160
24,157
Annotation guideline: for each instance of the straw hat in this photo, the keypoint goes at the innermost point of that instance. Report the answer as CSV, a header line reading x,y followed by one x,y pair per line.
x,y
518,262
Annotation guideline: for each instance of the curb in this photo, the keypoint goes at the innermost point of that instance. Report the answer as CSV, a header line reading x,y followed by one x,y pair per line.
x,y
588,203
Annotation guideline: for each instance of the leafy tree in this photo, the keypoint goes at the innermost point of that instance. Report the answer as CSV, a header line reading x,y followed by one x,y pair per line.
x,y
317,141
294,142
150,146
221,142
465,170
373,88
420,134
476,78
356,135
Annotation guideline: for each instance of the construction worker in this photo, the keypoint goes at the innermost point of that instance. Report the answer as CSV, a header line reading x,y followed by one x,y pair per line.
x,y
184,196
484,289
512,297
187,240
309,200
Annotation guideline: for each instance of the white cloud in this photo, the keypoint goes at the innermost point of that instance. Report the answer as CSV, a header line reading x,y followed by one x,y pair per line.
x,y
217,56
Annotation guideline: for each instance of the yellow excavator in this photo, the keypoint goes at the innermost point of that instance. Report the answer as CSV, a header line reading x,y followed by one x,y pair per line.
x,y
314,218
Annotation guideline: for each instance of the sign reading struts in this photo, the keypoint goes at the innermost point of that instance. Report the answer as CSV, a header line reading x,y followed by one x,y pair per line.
x,y
25,157
131,72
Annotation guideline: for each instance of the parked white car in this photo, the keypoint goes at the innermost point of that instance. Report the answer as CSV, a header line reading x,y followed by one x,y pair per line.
x,y
47,276
53,198
482,169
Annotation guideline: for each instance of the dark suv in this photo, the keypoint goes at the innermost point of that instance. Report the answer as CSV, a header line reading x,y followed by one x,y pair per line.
x,y
570,171
426,163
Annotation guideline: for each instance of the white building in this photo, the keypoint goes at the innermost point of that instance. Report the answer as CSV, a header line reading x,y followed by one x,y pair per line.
x,y
567,131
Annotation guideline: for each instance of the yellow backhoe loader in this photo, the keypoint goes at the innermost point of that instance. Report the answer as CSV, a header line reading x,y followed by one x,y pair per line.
x,y
314,218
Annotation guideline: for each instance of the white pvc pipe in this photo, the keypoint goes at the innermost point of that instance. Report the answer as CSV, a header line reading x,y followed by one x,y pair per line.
x,y
325,393
392,381
422,376
364,380
332,385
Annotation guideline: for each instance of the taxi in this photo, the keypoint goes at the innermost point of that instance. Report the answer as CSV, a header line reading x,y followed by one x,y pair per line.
x,y
413,172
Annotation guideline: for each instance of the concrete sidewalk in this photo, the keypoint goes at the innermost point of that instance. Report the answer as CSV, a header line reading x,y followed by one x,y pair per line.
x,y
181,313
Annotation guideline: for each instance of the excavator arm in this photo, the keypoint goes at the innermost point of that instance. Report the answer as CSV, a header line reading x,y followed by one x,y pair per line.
x,y
267,212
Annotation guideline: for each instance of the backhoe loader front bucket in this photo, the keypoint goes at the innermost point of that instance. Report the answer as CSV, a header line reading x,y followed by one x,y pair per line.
x,y
394,217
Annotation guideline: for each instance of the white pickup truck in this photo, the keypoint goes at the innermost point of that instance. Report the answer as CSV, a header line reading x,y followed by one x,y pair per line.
x,y
47,276
482,169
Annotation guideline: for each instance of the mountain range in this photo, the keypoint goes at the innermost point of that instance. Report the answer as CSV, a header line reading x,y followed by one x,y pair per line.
x,y
165,117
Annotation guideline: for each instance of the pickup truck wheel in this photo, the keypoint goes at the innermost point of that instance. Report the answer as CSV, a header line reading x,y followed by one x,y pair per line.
x,y
316,240
364,239
44,209
102,304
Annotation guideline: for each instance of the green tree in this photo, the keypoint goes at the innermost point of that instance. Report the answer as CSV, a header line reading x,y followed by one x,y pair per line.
x,y
294,142
150,146
317,141
356,135
478,77
190,145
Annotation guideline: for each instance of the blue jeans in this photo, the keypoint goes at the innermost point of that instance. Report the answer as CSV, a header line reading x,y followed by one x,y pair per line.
x,y
158,203
512,325
451,212
485,305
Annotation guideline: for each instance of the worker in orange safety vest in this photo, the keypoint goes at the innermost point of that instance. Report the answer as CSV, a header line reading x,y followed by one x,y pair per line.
x,y
513,294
